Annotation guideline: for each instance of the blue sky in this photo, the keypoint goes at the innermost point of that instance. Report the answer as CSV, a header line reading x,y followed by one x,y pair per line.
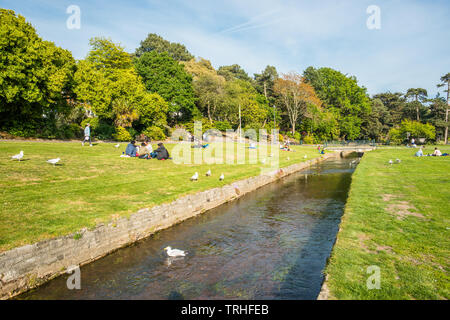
x,y
412,48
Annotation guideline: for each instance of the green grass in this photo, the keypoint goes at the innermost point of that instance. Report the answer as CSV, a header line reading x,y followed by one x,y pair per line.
x,y
397,218
94,185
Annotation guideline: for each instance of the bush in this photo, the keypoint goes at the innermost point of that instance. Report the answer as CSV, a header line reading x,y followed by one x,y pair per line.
x,y
414,128
222,125
121,134
308,139
154,133
104,131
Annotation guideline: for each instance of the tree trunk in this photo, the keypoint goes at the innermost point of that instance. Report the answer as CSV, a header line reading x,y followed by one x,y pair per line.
x,y
265,89
446,113
209,113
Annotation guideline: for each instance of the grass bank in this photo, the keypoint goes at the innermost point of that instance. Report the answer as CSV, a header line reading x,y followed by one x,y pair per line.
x,y
94,185
397,218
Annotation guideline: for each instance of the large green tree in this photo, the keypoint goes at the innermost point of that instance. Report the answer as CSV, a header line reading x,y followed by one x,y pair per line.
x,y
165,76
156,43
108,83
343,96
417,96
35,75
265,81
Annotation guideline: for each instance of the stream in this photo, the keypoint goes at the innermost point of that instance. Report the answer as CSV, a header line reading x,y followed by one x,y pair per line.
x,y
272,243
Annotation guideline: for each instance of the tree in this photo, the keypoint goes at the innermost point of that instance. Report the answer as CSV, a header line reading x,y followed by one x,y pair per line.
x,y
114,90
266,80
377,124
208,85
36,77
107,55
438,107
395,104
296,95
342,96
233,72
446,82
163,75
418,95
156,43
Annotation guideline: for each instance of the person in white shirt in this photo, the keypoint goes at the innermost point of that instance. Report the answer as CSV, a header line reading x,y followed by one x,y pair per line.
x,y
437,152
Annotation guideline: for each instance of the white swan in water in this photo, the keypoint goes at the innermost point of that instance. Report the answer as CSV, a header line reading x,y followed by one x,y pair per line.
x,y
174,252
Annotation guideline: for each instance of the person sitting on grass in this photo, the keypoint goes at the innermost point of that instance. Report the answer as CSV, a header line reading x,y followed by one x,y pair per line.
x,y
144,152
131,149
419,153
161,153
437,153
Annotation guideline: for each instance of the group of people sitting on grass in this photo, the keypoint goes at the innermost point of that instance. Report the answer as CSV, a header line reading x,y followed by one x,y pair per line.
x,y
436,153
145,151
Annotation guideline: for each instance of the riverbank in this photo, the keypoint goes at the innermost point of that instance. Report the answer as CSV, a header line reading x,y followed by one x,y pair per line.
x,y
396,221
78,212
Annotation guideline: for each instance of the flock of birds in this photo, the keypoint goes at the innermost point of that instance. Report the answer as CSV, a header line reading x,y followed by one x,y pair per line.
x,y
19,157
208,174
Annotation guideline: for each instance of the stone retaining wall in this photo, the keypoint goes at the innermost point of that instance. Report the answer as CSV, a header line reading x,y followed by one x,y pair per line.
x,y
29,266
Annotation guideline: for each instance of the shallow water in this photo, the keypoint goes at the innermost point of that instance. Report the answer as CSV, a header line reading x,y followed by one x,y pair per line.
x,y
270,244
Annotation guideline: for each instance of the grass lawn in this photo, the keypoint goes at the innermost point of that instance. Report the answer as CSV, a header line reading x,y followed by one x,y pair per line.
x,y
93,185
397,218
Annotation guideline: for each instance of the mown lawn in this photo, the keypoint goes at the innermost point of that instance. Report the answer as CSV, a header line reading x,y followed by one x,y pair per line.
x,y
93,185
398,219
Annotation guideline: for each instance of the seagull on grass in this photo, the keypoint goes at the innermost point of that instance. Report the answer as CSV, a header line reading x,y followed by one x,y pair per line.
x,y
117,146
391,162
18,156
208,174
53,161
195,177
175,252
222,177
306,157
398,160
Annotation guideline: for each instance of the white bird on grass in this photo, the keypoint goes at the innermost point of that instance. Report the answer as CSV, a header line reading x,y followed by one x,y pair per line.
x,y
222,177
391,162
306,157
53,161
398,160
208,174
18,156
263,161
194,177
175,252
117,146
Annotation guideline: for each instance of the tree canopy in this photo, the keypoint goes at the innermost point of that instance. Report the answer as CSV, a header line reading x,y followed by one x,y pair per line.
x,y
163,75
156,43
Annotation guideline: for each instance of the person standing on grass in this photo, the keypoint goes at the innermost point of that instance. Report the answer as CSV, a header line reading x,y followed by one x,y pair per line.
x,y
87,135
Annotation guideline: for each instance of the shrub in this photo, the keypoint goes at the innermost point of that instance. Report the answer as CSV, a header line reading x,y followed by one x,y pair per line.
x,y
122,134
414,128
308,139
154,133
222,125
104,131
